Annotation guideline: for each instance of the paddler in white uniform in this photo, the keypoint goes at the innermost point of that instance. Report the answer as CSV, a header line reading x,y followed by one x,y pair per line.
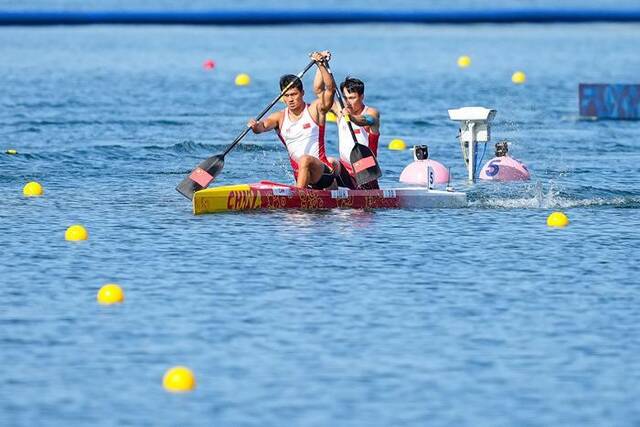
x,y
365,121
300,127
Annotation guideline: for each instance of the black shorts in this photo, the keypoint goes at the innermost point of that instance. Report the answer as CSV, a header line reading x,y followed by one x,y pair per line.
x,y
325,181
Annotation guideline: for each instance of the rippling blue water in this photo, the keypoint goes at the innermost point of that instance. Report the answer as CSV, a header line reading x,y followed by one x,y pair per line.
x,y
477,316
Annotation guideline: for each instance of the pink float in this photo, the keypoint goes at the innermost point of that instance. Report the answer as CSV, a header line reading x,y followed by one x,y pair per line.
x,y
504,167
418,172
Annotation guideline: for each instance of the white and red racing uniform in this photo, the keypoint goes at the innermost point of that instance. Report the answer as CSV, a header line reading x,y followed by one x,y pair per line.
x,y
303,136
363,135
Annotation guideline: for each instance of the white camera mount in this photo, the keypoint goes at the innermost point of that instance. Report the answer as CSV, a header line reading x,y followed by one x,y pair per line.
x,y
474,127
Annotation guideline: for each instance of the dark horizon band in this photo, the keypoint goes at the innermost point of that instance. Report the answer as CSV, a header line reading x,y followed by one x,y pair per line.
x,y
289,17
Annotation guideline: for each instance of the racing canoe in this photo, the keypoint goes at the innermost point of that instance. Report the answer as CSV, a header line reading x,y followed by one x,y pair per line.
x,y
267,195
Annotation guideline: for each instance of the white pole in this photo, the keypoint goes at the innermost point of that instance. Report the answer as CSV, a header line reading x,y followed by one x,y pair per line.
x,y
472,151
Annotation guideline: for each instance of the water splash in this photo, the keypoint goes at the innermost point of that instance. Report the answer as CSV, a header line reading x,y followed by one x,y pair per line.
x,y
535,196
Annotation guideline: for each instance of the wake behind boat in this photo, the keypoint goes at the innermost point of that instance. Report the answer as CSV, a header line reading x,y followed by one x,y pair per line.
x,y
267,195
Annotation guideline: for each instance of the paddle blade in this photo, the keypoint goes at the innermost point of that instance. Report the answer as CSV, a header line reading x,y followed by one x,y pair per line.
x,y
364,164
201,176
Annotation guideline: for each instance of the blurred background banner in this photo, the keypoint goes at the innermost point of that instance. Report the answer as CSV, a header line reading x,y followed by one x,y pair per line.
x,y
610,101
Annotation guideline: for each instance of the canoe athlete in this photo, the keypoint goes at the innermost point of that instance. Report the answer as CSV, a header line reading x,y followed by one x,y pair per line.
x,y
364,119
300,127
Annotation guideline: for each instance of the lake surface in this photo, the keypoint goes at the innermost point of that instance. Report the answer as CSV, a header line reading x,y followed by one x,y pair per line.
x,y
475,316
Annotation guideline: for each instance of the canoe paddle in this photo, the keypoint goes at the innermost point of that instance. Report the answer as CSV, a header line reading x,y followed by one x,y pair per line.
x,y
363,162
209,168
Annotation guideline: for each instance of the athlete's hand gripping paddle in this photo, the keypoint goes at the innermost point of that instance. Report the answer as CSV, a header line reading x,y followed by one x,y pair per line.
x,y
209,168
363,162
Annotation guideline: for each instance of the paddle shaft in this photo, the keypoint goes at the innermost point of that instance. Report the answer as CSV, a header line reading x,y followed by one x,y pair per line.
x,y
266,110
341,102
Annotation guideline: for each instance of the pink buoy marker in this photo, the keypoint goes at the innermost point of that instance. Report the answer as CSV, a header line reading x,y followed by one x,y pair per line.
x,y
504,167
417,172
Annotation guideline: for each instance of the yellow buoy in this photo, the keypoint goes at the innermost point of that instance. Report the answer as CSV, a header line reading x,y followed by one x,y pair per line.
x,y
557,219
397,144
11,151
32,189
464,61
76,232
331,117
519,77
243,79
179,379
110,294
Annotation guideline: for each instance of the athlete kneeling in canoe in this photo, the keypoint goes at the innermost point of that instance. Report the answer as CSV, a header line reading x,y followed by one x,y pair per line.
x,y
365,121
300,127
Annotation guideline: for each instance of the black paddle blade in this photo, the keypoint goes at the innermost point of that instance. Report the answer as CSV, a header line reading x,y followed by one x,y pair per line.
x,y
201,176
364,164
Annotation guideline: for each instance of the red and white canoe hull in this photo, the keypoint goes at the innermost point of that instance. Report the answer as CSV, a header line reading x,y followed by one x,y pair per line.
x,y
267,195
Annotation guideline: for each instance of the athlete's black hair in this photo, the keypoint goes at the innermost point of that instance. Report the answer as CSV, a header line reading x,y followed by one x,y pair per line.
x,y
288,78
353,85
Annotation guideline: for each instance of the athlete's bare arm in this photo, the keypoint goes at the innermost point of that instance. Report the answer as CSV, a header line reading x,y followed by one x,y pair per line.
x,y
323,104
370,117
318,89
318,84
265,125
